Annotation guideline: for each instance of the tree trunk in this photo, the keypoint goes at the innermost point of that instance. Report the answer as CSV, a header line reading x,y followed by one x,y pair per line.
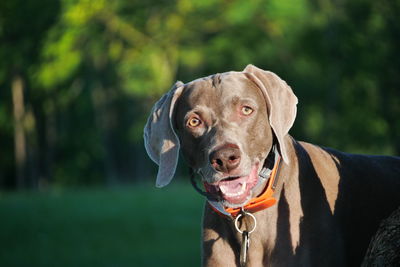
x,y
104,121
17,89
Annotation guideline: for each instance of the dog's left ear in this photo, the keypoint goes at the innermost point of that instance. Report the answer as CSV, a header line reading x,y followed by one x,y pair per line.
x,y
160,140
281,103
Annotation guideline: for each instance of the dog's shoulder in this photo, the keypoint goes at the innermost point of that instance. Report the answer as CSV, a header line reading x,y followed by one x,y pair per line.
x,y
348,160
330,162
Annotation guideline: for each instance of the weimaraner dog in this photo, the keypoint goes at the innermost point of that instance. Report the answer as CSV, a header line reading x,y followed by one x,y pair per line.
x,y
271,200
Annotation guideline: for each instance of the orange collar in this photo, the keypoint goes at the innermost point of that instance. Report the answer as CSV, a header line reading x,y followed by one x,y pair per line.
x,y
263,201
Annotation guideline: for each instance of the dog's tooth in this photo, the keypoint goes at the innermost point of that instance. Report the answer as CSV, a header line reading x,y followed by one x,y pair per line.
x,y
243,188
226,192
223,190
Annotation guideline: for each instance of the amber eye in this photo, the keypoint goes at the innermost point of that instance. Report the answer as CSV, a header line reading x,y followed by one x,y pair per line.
x,y
194,122
247,110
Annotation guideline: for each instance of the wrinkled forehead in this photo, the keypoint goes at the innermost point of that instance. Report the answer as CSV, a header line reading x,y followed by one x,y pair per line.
x,y
219,89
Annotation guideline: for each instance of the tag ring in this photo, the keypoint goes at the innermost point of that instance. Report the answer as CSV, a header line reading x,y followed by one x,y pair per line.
x,y
243,214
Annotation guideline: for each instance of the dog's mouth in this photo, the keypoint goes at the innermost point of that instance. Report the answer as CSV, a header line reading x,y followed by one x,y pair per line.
x,y
235,191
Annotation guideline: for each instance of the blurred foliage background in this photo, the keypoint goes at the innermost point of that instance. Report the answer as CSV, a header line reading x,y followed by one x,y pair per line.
x,y
78,77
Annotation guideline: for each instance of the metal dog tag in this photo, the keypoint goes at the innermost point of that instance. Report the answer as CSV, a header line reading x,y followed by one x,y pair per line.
x,y
244,248
245,236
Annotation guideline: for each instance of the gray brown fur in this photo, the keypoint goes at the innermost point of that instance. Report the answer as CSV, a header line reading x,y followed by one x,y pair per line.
x,y
330,203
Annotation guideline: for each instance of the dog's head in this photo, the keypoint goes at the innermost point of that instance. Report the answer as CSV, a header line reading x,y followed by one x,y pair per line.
x,y
225,126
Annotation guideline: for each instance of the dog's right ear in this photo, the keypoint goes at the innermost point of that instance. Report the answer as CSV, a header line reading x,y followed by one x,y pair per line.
x,y
281,103
160,140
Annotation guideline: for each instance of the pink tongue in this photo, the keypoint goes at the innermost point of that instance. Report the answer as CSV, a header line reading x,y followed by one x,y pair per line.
x,y
233,186
236,190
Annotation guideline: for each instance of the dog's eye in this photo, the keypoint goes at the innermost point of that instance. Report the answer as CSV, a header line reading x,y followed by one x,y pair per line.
x,y
194,122
247,110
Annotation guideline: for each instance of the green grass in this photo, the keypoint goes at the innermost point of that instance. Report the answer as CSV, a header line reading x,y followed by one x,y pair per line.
x,y
133,226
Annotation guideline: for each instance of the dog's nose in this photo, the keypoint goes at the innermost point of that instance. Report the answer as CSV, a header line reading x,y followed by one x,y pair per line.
x,y
226,158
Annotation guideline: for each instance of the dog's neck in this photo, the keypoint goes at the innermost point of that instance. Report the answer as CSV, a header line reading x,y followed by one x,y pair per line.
x,y
264,174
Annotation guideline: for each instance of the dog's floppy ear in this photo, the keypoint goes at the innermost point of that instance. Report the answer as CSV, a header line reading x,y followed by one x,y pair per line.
x,y
281,103
160,140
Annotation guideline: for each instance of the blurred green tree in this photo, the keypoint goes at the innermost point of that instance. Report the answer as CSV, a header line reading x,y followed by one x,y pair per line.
x,y
21,34
353,100
81,76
